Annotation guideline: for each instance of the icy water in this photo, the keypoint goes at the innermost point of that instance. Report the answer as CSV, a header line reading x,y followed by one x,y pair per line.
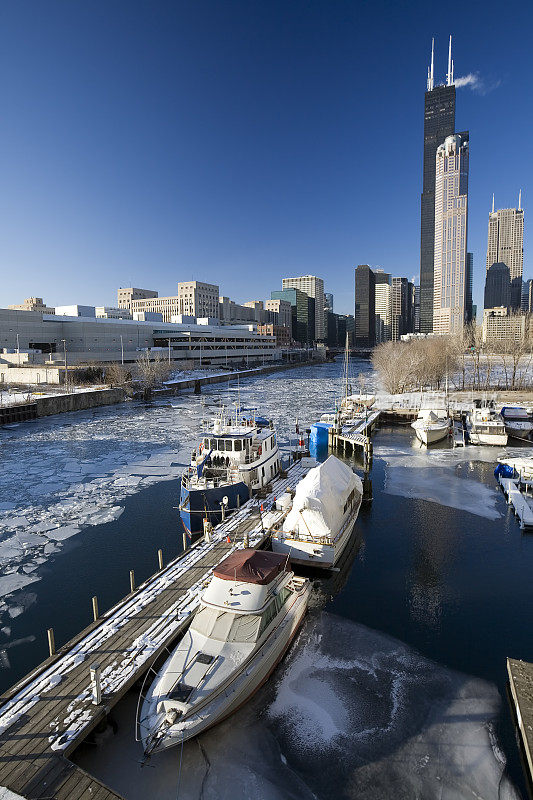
x,y
396,684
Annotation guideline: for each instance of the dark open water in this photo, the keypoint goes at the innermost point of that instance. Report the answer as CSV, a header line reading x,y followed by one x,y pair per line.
x,y
451,587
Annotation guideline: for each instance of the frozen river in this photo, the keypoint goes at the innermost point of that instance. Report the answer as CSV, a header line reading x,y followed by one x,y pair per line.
x,y
397,684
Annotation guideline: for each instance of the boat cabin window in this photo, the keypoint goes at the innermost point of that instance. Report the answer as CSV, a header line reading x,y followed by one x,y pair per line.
x,y
273,440
274,608
238,444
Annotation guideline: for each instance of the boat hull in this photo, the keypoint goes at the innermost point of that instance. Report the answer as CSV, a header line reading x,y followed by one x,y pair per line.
x,y
519,429
245,683
195,504
312,553
497,439
432,435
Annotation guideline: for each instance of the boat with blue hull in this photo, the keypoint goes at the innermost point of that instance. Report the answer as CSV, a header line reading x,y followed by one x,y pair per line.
x,y
237,455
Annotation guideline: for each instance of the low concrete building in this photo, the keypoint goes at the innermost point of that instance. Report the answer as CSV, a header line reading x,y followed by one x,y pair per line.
x,y
281,334
50,340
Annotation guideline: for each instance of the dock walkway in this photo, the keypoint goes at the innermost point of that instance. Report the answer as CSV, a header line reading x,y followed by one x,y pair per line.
x,y
351,436
48,713
521,503
521,684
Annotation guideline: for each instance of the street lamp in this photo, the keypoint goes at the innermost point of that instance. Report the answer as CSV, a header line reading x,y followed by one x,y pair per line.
x,y
18,351
65,357
121,351
169,350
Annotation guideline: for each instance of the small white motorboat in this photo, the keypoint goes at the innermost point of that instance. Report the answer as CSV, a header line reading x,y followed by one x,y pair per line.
x,y
432,425
485,426
321,515
518,421
248,616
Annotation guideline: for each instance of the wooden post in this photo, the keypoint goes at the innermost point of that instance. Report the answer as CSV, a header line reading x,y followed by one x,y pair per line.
x,y
51,641
95,608
132,580
223,507
96,684
246,540
184,541
238,501
160,558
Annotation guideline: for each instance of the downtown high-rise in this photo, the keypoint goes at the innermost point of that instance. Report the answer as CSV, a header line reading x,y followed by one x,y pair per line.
x,y
505,246
312,287
451,263
439,122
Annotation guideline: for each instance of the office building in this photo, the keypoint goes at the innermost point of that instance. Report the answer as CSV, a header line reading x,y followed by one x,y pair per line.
x,y
76,311
168,307
313,287
283,309
451,229
198,299
33,304
527,296
231,313
469,280
365,307
328,301
302,314
497,286
417,310
126,296
502,324
400,308
281,334
505,245
382,305
439,123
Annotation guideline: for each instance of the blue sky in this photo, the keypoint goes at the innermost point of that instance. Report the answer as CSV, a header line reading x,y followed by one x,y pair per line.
x,y
143,143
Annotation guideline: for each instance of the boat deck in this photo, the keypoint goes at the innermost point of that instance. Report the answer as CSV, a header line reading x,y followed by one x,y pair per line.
x,y
51,711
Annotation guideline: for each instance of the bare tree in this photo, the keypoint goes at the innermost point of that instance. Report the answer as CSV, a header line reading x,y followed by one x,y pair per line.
x,y
392,361
151,372
117,375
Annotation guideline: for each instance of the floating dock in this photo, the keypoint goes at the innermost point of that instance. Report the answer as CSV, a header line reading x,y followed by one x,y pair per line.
x,y
47,714
521,684
351,436
521,501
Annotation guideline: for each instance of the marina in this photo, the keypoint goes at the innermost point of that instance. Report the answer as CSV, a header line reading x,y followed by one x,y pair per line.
x,y
161,606
46,715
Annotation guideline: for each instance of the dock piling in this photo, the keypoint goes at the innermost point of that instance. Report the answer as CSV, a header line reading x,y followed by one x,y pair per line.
x,y
132,580
184,541
51,641
95,607
160,558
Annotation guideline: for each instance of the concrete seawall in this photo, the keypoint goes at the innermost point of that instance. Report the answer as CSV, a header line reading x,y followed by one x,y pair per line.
x,y
78,401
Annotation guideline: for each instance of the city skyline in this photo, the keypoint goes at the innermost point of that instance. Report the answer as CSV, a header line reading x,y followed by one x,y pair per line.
x,y
183,152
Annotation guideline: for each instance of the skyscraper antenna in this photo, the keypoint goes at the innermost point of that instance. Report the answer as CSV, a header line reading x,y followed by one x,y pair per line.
x,y
430,69
449,76
493,202
520,200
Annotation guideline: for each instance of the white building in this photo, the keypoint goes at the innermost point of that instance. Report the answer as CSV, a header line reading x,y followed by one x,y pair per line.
x,y
284,311
501,325
108,312
76,311
198,299
383,312
451,229
313,287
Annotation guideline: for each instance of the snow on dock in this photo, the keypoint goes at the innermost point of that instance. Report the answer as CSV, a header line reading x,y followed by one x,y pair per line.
x,y
357,435
49,712
520,674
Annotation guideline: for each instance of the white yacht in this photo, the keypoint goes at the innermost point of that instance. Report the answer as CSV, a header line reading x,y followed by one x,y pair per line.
x,y
248,616
485,426
237,455
432,425
321,515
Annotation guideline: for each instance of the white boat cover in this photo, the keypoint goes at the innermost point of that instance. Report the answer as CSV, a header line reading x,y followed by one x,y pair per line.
x,y
320,497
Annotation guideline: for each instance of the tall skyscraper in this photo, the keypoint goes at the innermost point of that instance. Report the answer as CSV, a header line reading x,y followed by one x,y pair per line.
x,y
382,305
439,122
302,313
469,313
451,230
505,245
497,286
313,287
365,306
400,311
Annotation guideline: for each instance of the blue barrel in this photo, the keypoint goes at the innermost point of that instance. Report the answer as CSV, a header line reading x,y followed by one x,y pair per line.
x,y
319,433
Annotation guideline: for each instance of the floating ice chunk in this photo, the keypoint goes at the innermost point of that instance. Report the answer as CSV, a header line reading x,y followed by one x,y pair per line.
x,y
59,534
14,581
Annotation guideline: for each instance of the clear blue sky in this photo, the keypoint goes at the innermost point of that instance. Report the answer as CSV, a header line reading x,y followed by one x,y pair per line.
x,y
143,143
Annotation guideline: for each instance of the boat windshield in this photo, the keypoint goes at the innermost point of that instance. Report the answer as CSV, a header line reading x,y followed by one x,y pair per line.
x,y
226,626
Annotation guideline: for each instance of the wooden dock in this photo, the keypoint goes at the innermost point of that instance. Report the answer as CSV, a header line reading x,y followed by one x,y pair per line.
x,y
351,436
521,684
47,714
520,501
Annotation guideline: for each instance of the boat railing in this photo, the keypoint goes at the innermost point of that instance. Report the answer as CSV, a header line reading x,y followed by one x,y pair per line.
x,y
190,476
